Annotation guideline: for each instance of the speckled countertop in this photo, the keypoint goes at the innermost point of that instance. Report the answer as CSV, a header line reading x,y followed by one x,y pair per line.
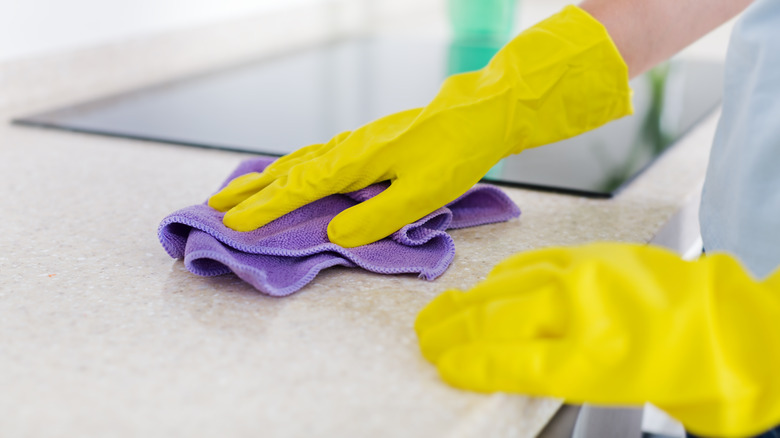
x,y
101,334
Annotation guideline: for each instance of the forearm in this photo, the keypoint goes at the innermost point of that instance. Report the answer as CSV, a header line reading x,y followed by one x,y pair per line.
x,y
648,32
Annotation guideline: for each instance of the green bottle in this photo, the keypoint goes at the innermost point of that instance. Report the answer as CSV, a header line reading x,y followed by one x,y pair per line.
x,y
486,21
480,28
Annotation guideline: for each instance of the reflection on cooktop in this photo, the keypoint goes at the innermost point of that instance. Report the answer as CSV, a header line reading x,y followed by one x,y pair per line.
x,y
274,106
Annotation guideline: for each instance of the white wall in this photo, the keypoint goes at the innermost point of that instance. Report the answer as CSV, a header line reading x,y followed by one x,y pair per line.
x,y
31,27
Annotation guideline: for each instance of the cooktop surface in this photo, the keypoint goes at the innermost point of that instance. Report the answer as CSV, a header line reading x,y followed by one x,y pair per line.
x,y
276,105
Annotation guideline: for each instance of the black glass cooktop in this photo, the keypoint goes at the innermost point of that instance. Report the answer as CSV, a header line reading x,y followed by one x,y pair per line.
x,y
274,106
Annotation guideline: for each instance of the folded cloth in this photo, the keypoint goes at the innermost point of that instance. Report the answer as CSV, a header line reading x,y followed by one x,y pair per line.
x,y
286,254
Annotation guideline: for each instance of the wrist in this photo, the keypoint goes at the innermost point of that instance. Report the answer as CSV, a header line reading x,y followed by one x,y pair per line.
x,y
570,59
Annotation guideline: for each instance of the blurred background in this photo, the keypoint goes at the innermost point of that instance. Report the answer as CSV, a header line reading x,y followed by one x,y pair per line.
x,y
57,53
33,27
59,50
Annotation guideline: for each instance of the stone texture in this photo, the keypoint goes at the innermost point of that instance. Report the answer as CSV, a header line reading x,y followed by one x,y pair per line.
x,y
102,334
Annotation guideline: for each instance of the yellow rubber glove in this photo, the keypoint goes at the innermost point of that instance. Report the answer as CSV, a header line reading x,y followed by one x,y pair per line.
x,y
558,79
618,324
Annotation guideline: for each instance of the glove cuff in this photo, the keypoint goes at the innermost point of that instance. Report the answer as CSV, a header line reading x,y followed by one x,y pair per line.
x,y
568,69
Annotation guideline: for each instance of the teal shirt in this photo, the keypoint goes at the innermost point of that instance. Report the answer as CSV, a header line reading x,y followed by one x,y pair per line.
x,y
740,208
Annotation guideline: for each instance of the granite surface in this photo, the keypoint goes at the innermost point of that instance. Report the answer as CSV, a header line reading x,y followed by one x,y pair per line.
x,y
102,334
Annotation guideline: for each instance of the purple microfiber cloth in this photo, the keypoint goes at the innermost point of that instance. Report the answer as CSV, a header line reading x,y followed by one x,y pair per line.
x,y
286,254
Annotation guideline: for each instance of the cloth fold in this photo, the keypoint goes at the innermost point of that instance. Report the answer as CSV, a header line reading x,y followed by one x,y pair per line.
x,y
283,256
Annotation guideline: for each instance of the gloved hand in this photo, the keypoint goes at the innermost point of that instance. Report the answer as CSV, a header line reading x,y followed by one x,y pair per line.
x,y
558,79
618,324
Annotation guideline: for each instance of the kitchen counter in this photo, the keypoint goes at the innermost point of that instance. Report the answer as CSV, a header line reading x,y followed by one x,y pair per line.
x,y
102,334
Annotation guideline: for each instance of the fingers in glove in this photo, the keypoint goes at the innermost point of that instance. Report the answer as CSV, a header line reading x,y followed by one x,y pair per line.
x,y
239,189
559,258
515,318
244,186
283,164
400,204
302,185
538,367
452,302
